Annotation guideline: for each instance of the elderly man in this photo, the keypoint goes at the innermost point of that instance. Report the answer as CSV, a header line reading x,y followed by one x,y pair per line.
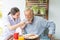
x,y
37,25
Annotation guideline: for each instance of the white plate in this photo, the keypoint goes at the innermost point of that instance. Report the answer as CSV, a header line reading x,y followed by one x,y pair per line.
x,y
30,36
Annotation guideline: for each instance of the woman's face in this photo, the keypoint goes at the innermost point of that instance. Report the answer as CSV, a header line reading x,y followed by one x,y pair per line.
x,y
17,15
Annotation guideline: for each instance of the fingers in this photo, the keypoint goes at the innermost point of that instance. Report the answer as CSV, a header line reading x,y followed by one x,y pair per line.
x,y
22,24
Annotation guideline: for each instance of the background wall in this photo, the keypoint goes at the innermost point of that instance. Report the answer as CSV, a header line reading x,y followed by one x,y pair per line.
x,y
6,6
54,14
54,11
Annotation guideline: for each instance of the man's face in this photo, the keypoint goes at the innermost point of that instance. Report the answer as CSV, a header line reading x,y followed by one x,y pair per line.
x,y
29,15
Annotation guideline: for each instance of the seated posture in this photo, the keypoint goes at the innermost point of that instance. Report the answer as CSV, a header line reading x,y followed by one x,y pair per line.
x,y
37,25
13,22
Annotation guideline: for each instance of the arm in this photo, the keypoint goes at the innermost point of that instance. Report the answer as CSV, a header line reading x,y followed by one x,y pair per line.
x,y
51,29
50,25
13,27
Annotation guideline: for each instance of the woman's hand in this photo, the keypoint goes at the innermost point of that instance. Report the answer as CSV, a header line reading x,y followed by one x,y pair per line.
x,y
22,25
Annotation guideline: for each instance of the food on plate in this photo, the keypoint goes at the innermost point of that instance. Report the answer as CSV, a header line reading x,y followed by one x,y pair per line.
x,y
30,36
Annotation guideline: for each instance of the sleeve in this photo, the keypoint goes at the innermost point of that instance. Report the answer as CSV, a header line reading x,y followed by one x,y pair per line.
x,y
48,24
51,28
42,25
43,22
6,21
5,28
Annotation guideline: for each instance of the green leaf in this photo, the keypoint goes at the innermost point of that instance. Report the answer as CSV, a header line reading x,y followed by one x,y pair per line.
x,y
35,8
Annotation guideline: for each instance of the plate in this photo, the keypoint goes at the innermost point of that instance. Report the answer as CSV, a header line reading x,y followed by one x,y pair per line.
x,y
30,36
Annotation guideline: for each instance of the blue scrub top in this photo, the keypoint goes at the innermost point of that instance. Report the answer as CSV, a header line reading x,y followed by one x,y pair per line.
x,y
11,21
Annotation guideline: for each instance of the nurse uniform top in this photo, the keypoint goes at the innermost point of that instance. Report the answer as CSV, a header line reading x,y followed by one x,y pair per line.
x,y
12,22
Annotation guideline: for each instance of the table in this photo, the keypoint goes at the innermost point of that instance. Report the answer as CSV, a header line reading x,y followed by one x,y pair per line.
x,y
30,39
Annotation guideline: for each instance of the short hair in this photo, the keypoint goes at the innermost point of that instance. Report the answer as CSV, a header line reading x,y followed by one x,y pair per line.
x,y
29,9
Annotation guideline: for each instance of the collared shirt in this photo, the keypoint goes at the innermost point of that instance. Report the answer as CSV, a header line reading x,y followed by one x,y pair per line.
x,y
38,26
10,21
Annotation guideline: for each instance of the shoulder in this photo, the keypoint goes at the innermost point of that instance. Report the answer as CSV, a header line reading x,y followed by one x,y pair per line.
x,y
39,18
8,18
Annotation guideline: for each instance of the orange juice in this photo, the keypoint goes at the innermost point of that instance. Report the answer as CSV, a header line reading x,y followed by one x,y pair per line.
x,y
20,38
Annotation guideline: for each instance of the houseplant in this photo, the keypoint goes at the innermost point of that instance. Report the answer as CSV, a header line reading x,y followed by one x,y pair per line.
x,y
35,9
42,10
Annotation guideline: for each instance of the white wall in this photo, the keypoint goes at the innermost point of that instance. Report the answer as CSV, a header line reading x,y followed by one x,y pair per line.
x,y
8,4
54,14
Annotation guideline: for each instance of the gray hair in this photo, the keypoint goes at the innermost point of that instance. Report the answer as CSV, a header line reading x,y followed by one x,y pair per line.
x,y
27,9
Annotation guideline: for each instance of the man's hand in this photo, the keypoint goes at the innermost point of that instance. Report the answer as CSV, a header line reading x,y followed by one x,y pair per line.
x,y
50,36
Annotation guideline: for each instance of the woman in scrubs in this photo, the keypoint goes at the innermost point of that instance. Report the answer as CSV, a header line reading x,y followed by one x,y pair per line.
x,y
14,21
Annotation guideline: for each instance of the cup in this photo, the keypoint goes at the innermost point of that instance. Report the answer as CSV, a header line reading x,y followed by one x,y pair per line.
x,y
20,38
15,36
